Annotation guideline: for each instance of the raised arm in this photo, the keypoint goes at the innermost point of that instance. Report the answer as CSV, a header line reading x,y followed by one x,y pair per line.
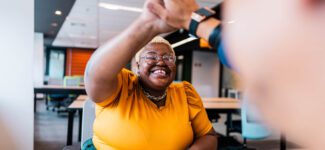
x,y
108,60
177,13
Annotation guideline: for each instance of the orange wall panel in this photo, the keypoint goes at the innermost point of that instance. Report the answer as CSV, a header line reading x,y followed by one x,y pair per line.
x,y
77,60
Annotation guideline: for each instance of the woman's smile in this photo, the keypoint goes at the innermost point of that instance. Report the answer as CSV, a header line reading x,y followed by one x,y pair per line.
x,y
160,72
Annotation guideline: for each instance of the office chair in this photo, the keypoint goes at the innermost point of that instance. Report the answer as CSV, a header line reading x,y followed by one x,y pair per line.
x,y
64,100
88,118
54,100
252,128
72,80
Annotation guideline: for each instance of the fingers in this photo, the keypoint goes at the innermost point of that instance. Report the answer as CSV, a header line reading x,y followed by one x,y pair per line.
x,y
158,10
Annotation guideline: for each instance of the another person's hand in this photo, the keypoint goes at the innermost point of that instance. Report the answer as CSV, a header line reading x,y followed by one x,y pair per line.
x,y
177,13
159,25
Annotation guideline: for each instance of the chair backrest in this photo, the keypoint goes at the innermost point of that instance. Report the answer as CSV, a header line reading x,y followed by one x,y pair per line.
x,y
88,117
252,127
72,81
55,81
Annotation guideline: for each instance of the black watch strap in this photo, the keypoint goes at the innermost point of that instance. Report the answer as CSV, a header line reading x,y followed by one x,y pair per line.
x,y
193,27
199,16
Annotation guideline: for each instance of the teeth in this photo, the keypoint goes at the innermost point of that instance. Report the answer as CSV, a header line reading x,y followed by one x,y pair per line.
x,y
163,72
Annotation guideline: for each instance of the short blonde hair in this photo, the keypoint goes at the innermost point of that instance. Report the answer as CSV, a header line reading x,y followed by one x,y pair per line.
x,y
157,39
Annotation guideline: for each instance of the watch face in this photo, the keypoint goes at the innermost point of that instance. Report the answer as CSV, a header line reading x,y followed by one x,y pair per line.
x,y
197,17
205,11
202,13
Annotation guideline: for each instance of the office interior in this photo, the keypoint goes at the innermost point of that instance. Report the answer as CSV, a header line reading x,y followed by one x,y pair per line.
x,y
56,40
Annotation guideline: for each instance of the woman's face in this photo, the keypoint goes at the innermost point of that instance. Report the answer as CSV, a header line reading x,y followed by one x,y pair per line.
x,y
156,66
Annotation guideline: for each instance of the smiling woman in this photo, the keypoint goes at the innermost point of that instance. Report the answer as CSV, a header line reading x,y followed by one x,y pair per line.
x,y
156,69
146,109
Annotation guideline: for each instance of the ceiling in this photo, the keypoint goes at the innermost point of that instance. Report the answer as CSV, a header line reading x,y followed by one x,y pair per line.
x,y
46,21
89,23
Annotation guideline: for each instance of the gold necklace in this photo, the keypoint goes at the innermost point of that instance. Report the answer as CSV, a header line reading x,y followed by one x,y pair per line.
x,y
152,97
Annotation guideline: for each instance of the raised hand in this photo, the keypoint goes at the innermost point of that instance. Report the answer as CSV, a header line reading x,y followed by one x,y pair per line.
x,y
177,13
159,25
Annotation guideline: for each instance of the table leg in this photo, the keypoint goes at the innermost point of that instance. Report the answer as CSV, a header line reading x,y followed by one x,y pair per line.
x,y
228,123
46,102
283,142
70,126
80,125
35,102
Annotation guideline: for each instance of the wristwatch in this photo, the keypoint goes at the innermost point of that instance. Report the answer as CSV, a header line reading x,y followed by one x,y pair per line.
x,y
198,17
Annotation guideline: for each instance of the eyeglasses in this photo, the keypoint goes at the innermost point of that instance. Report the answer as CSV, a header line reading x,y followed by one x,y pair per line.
x,y
153,59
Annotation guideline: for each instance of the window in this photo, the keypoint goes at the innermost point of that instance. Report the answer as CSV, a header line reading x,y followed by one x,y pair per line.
x,y
56,66
55,63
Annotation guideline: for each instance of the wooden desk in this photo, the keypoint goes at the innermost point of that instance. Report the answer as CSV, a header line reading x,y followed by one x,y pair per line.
x,y
57,89
82,97
226,106
75,106
208,103
221,103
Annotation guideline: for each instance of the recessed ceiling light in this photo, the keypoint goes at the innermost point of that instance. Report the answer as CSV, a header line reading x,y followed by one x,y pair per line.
x,y
54,24
58,13
119,7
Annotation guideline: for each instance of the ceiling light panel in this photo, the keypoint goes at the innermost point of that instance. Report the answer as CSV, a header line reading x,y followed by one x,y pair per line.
x,y
58,13
119,7
128,3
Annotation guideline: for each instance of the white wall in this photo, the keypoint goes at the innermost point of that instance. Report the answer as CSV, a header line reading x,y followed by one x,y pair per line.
x,y
38,60
16,85
205,73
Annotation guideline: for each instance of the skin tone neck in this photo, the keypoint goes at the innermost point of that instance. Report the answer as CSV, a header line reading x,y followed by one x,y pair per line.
x,y
152,92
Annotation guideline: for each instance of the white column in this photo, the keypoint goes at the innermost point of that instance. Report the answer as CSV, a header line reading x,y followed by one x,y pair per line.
x,y
38,60
16,85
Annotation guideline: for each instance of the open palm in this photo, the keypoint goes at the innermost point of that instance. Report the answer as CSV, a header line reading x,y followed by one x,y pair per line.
x,y
159,24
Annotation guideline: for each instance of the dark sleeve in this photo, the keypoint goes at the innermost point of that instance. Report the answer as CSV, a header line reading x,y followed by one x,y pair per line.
x,y
222,55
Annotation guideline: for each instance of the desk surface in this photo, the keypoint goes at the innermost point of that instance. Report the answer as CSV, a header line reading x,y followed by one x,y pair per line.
x,y
221,103
218,99
77,104
82,97
208,103
59,87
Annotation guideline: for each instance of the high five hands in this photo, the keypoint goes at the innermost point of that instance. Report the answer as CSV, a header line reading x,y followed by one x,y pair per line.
x,y
176,13
153,20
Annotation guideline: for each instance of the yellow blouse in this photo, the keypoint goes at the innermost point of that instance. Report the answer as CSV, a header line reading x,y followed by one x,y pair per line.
x,y
129,120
